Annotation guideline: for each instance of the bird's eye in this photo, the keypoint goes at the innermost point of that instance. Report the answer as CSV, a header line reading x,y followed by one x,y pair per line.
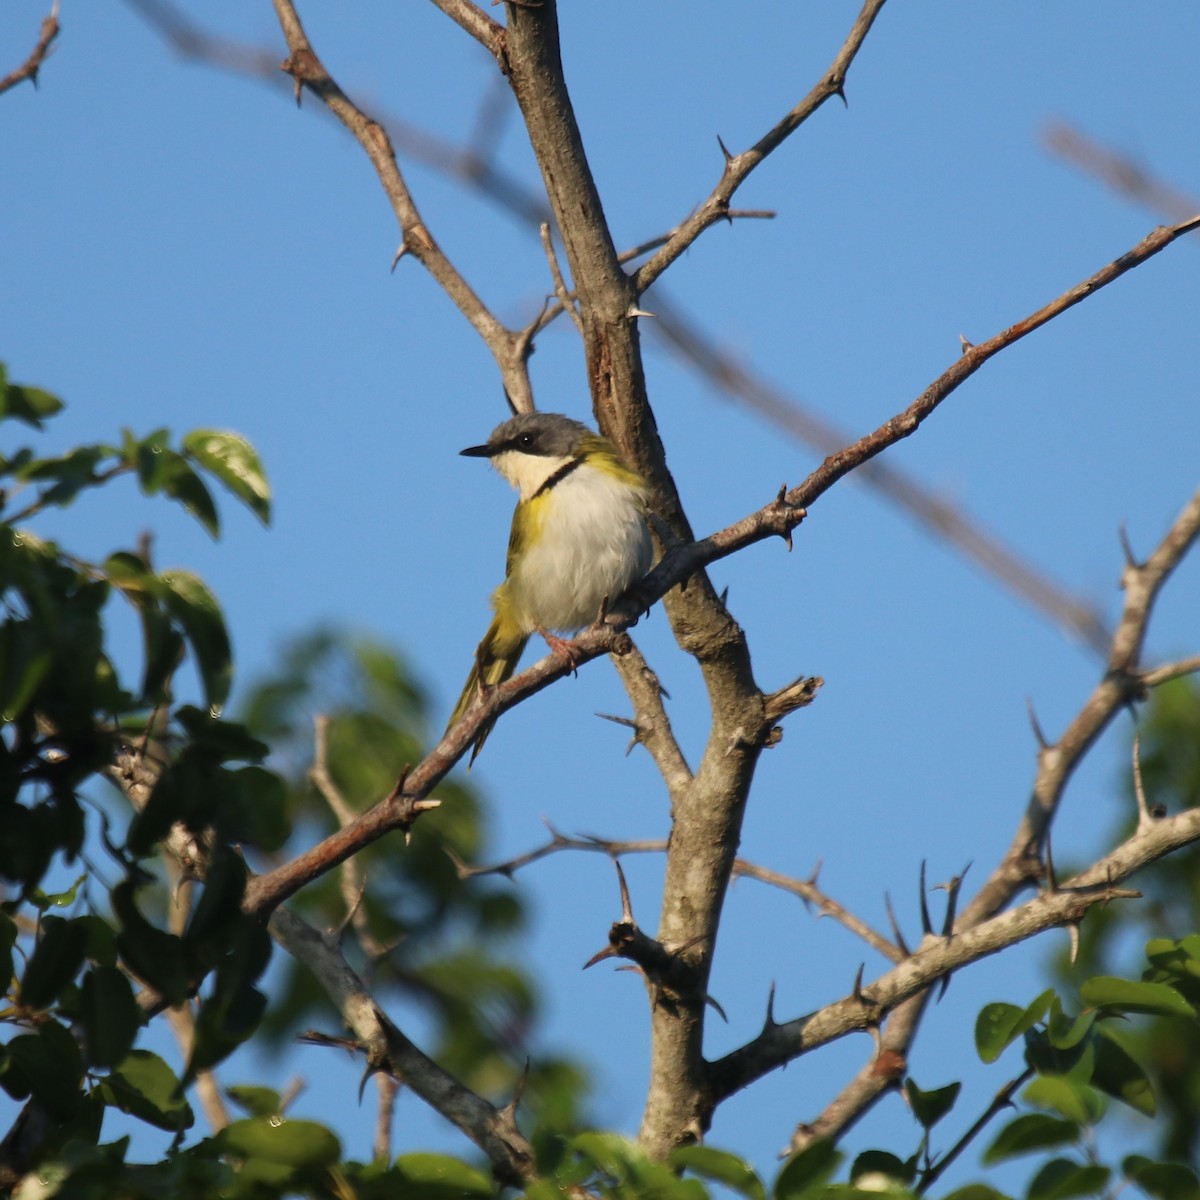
x,y
525,441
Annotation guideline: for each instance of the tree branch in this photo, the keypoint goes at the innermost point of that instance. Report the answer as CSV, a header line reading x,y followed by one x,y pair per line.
x,y
473,169
29,68
739,166
307,70
938,956
1021,864
678,564
492,1129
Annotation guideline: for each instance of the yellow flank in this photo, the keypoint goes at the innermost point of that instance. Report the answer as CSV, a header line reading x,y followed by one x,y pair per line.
x,y
495,660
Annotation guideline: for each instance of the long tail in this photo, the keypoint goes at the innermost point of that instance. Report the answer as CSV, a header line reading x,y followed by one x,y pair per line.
x,y
495,660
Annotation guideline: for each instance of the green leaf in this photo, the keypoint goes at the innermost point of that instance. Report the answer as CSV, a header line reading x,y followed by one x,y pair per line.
x,y
880,1162
930,1107
195,608
1160,1180
55,963
145,1087
721,1166
28,404
1062,1179
225,741
1063,1031
262,808
153,459
999,1025
1119,1075
812,1166
1071,1099
48,1066
257,1101
158,957
25,660
1134,996
611,1152
230,458
71,472
184,485
110,1016
434,1174
1028,1133
273,1139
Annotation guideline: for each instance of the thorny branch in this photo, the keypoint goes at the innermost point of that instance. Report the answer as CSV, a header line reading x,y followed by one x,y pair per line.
x,y
30,67
475,169
982,928
776,518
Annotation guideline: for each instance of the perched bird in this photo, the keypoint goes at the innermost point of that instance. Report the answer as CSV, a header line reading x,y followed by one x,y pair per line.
x,y
579,538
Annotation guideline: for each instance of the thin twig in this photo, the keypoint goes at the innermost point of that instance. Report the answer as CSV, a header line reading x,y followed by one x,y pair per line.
x,y
778,517
472,169
739,166
29,68
1001,1101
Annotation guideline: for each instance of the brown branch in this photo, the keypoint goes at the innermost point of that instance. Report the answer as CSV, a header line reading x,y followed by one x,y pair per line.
x,y
777,518
307,70
1168,671
938,956
650,723
881,1073
475,171
739,166
1118,171
492,1129
783,514
1021,864
29,68
476,22
699,348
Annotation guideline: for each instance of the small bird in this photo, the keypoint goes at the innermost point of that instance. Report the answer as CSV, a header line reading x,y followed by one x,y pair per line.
x,y
579,539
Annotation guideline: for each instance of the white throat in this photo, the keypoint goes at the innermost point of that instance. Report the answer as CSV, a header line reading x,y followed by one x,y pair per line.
x,y
528,472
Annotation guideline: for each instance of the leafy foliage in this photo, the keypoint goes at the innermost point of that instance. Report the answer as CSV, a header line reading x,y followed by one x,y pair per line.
x,y
70,719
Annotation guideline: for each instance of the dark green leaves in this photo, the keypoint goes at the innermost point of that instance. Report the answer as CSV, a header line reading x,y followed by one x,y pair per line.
x,y
190,602
28,404
146,1087
931,1107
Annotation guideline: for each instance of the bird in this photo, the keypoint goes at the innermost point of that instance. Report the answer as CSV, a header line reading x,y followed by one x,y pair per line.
x,y
579,539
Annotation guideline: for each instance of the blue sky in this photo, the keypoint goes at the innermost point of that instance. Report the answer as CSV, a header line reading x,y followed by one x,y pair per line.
x,y
182,247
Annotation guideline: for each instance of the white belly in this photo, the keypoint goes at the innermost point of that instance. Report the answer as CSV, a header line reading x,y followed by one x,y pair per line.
x,y
594,543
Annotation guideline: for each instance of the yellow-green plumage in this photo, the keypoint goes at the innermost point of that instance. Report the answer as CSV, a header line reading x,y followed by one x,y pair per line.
x,y
578,537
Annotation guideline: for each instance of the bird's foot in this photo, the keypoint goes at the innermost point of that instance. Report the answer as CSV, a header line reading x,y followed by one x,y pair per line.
x,y
563,647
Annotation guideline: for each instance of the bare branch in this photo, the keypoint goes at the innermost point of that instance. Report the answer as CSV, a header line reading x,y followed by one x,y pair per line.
x,y
937,956
1118,171
29,68
1168,671
680,563
825,905
739,166
935,513
307,70
652,726
1021,864
476,22
493,1130
474,170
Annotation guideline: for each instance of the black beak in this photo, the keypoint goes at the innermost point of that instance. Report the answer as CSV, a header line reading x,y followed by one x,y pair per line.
x,y
477,452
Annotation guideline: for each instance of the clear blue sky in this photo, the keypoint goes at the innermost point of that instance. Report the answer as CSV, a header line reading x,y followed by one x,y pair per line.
x,y
182,247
